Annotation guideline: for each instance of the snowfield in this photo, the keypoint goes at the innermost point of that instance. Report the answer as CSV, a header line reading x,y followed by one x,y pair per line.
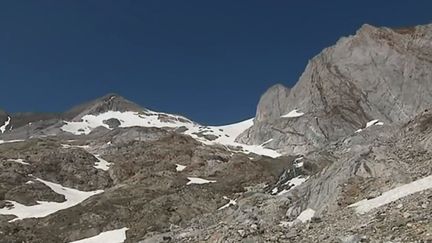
x,y
43,209
224,135
127,119
392,195
112,236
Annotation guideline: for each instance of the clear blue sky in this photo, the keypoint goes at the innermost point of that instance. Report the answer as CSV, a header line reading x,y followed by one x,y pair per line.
x,y
207,60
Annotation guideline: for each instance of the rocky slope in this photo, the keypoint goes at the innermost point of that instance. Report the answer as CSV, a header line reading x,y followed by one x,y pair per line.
x,y
343,156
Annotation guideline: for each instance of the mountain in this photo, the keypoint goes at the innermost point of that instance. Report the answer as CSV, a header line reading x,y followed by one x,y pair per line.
x,y
113,111
343,156
377,74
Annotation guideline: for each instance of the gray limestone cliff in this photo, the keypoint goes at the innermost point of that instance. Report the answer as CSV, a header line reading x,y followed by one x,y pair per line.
x,y
378,73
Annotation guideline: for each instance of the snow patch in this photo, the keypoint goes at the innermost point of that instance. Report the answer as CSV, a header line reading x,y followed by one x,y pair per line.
x,y
296,181
3,128
180,167
293,113
231,202
266,142
11,141
375,122
101,164
228,133
303,217
112,236
44,208
306,215
370,123
298,162
293,183
19,161
75,146
392,195
196,180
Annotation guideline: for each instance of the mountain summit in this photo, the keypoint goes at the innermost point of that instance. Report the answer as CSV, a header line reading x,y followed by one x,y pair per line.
x,y
109,102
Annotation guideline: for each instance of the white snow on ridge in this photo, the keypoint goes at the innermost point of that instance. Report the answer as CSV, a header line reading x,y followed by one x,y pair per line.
x,y
3,128
196,180
127,119
293,113
112,236
43,209
392,195
225,135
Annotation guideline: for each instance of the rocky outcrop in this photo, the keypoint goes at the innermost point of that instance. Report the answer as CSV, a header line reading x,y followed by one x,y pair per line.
x,y
378,73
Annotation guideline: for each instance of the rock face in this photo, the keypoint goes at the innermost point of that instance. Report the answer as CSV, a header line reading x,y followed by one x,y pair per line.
x,y
378,73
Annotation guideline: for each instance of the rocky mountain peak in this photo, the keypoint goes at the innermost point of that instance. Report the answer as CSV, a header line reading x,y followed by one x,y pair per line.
x,y
109,102
272,103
